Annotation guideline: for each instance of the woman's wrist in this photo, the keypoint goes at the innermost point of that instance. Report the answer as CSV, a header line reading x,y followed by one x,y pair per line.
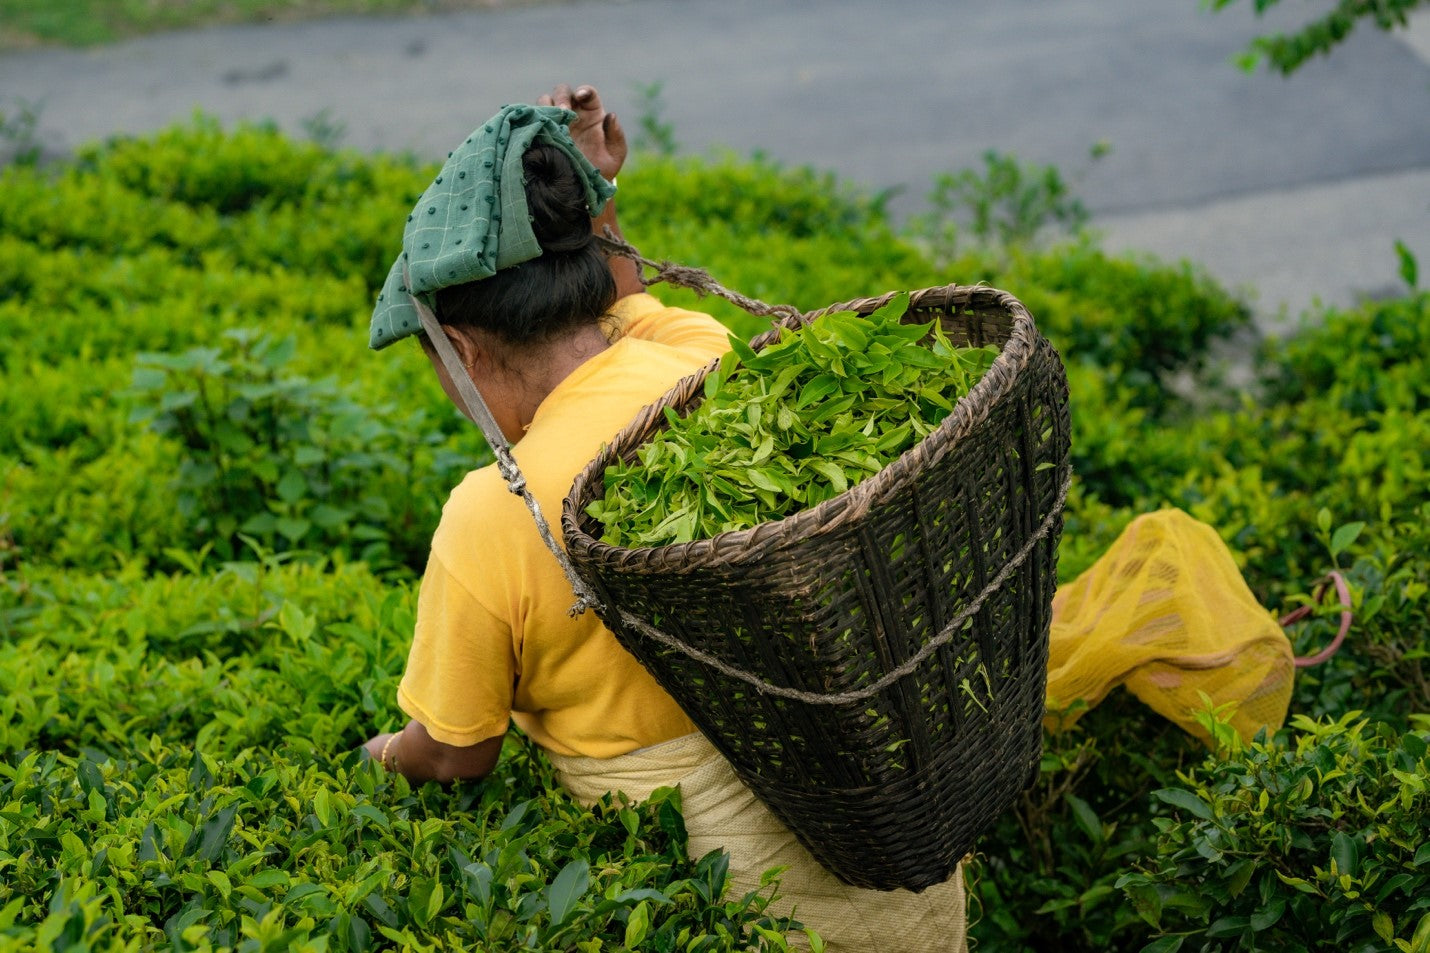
x,y
388,757
626,272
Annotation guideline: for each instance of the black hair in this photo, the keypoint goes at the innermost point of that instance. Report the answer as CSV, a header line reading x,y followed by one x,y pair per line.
x,y
568,285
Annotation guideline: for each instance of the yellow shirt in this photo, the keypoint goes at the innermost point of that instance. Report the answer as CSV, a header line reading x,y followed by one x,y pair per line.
x,y
493,640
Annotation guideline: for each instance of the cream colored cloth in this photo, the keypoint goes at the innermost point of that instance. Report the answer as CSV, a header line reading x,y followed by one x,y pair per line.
x,y
720,812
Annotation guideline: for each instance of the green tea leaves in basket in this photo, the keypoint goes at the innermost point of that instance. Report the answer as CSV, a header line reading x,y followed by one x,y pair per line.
x,y
790,426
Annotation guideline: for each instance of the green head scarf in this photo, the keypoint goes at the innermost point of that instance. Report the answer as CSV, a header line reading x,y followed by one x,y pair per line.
x,y
473,221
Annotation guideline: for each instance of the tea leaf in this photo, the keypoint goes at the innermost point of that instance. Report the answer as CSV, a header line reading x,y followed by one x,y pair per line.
x,y
791,426
567,889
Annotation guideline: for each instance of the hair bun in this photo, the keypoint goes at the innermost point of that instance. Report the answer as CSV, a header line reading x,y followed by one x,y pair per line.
x,y
556,198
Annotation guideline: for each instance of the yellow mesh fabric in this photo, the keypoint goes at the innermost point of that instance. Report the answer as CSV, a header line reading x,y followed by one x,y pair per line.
x,y
1166,613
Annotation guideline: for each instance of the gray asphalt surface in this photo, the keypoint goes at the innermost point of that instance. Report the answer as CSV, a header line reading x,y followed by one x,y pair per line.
x,y
1292,190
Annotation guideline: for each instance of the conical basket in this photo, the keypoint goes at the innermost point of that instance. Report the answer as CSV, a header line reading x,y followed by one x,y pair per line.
x,y
874,667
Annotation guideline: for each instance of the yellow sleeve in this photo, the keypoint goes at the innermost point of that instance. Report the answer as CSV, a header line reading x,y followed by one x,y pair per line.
x,y
462,665
643,316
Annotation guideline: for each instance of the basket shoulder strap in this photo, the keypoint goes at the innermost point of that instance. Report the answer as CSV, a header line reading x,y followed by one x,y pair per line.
x,y
506,463
697,280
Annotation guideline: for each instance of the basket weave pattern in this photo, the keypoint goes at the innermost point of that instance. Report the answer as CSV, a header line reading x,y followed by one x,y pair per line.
x,y
893,789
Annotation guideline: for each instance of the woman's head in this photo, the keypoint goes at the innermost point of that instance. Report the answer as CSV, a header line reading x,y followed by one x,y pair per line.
x,y
568,286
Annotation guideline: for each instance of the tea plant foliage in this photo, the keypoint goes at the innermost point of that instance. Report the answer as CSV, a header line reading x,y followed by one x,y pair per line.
x,y
1282,846
214,503
800,422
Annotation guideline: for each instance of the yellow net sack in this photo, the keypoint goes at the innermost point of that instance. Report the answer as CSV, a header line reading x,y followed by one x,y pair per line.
x,y
1166,613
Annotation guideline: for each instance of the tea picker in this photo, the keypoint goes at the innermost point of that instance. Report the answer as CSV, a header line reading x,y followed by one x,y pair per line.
x,y
853,692
494,642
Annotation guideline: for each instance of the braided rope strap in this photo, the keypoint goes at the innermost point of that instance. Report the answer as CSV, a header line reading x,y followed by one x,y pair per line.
x,y
506,463
696,279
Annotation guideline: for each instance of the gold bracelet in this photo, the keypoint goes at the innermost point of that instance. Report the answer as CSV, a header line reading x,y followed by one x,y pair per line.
x,y
382,758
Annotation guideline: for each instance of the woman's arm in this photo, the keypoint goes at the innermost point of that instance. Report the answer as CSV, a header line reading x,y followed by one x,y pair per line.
x,y
599,136
626,272
420,757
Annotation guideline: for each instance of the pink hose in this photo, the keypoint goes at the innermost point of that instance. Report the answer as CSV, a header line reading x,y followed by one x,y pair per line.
x,y
1296,615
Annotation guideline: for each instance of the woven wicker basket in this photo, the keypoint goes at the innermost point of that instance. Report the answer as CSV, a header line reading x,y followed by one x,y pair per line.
x,y
772,638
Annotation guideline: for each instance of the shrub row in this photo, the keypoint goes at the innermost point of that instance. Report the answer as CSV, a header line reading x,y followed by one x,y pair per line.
x,y
214,500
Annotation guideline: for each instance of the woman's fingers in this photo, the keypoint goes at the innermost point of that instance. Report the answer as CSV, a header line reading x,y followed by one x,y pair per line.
x,y
586,104
597,133
615,139
584,101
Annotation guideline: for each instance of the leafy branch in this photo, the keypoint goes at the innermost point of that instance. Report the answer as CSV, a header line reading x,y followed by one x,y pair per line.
x,y
1287,52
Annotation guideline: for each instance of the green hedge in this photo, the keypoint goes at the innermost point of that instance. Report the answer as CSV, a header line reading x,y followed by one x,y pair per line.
x,y
214,503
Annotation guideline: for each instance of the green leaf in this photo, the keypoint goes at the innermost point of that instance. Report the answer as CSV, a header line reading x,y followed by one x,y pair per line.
x,y
1238,875
479,875
1085,817
1345,851
1383,925
1409,268
1420,940
816,390
419,900
293,529
292,487
259,524
214,834
1267,916
567,890
742,350
372,815
831,472
298,625
1165,944
90,777
264,879
1415,746
637,925
10,911
515,816
1186,801
1147,901
1344,537
648,894
1228,926
435,899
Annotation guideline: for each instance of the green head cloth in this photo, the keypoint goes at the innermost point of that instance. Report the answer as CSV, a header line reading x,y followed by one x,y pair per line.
x,y
473,221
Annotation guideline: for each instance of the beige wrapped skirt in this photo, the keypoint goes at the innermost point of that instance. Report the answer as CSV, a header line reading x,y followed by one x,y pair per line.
x,y
720,812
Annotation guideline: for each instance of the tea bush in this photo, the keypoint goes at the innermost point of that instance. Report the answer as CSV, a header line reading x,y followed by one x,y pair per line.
x,y
1289,846
214,501
270,455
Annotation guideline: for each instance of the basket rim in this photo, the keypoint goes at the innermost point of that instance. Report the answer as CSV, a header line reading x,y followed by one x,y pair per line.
x,y
738,545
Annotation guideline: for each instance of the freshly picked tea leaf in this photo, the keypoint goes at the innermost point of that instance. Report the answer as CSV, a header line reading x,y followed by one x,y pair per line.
x,y
789,427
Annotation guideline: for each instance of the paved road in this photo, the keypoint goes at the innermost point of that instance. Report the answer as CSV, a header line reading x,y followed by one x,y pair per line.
x,y
1294,187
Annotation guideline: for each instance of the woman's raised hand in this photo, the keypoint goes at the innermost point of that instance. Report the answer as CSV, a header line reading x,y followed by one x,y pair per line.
x,y
597,133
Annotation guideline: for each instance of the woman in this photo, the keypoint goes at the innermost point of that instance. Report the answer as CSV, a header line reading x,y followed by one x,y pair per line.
x,y
565,348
